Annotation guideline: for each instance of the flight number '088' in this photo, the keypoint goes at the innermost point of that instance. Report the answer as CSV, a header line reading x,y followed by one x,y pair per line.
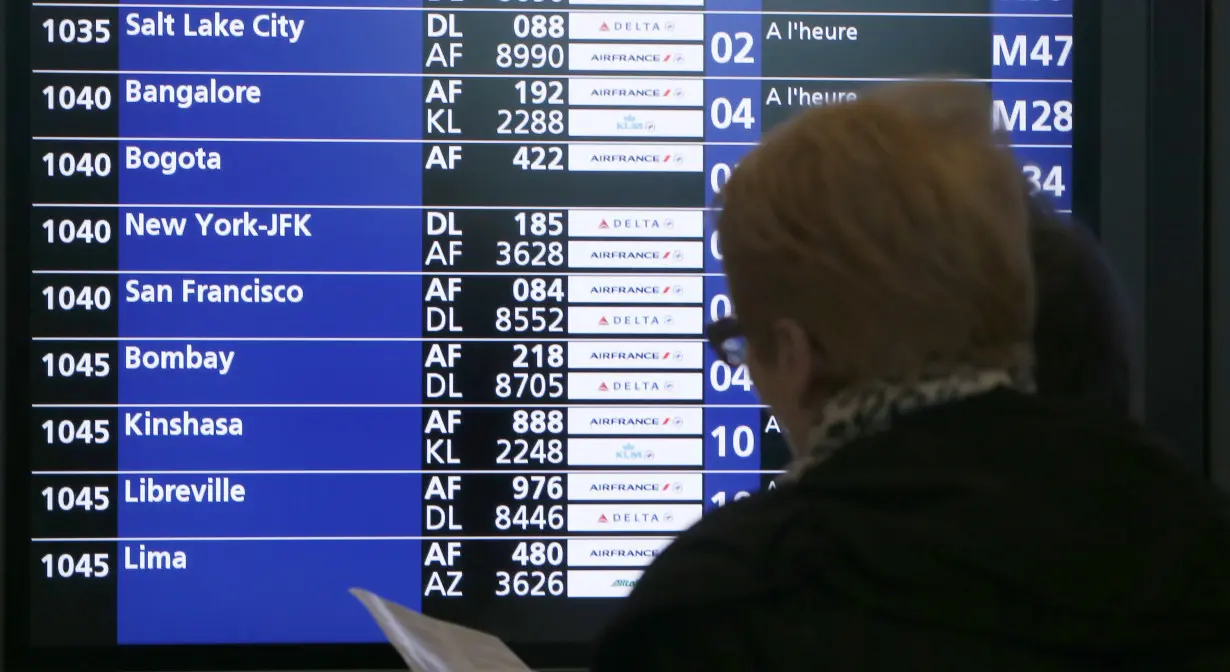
x,y
538,25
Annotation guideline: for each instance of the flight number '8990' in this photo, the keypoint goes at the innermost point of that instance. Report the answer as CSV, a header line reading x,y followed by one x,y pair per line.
x,y
529,319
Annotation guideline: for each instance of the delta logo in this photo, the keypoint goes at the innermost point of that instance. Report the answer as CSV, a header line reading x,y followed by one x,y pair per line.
x,y
667,223
602,518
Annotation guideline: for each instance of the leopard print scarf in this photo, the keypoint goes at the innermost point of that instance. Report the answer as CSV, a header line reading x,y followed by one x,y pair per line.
x,y
871,409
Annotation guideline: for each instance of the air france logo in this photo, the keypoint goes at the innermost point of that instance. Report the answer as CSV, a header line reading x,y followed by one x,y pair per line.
x,y
636,58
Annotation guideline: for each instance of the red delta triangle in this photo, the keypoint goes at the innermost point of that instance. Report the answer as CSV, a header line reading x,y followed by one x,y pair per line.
x,y
604,225
602,517
602,387
602,321
604,28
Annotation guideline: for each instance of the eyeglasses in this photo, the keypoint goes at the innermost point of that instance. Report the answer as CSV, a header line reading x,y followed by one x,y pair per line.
x,y
726,338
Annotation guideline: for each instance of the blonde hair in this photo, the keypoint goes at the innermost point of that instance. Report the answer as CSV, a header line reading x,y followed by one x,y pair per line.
x,y
900,246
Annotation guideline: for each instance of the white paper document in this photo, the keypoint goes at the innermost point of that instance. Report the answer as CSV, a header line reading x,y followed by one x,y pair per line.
x,y
430,645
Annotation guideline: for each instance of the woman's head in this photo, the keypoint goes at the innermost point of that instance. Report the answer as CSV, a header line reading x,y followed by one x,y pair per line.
x,y
862,245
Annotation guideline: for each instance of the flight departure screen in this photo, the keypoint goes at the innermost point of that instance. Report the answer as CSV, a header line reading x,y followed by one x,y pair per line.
x,y
408,295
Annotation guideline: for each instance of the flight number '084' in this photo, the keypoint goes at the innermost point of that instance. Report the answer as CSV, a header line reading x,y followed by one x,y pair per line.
x,y
538,289
532,385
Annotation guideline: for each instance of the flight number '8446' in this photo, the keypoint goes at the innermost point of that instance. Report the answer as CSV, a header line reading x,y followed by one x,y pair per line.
x,y
527,516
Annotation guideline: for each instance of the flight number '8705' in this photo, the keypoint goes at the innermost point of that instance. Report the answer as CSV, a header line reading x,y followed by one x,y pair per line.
x,y
523,319
532,385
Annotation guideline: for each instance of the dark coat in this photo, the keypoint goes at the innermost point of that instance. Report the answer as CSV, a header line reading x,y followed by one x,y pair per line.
x,y
995,534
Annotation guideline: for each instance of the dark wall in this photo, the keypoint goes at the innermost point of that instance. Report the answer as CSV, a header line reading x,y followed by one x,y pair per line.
x,y
1219,240
1152,200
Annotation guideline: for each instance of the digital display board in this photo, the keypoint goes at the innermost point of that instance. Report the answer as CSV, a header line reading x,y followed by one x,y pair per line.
x,y
409,295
